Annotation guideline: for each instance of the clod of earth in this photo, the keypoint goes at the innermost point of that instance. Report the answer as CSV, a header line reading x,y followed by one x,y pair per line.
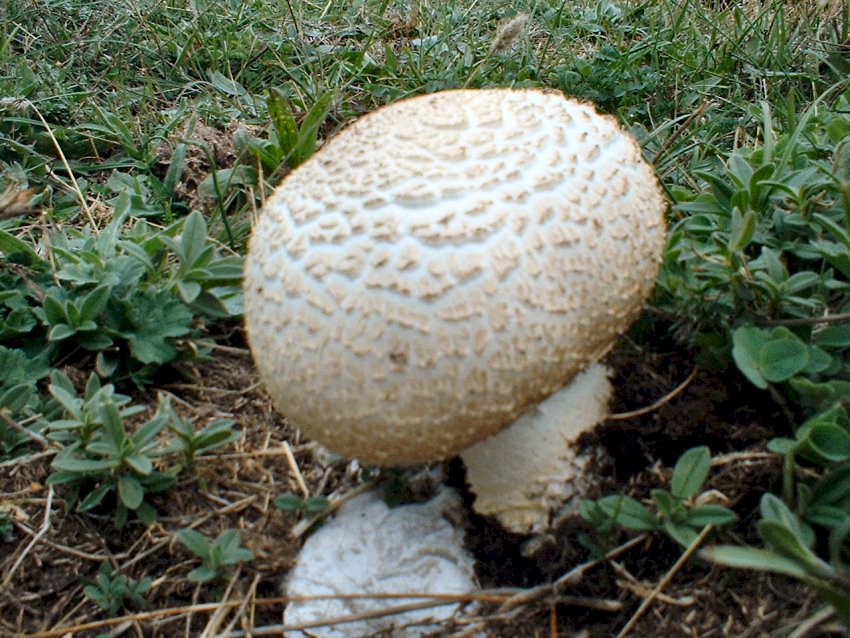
x,y
444,265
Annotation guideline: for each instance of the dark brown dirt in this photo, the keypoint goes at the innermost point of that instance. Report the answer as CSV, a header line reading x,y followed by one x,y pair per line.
x,y
236,487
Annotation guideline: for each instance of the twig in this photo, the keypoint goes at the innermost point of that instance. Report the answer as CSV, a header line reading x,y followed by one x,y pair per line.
x,y
553,621
490,596
45,526
8,420
277,630
275,451
21,460
217,617
743,457
239,352
252,593
571,578
812,622
664,581
808,321
625,416
296,471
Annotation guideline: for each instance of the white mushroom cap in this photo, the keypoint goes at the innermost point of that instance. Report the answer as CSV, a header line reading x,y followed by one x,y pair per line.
x,y
445,263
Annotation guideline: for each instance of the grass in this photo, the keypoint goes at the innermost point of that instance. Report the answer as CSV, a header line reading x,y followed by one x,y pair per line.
x,y
169,117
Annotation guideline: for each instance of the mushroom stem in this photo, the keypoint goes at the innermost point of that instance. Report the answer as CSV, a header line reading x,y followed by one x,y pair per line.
x,y
525,473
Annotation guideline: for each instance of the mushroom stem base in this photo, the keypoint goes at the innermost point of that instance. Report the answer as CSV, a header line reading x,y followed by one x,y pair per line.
x,y
525,473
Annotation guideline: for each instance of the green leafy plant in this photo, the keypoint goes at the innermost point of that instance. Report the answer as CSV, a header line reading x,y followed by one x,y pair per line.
x,y
102,456
790,550
676,511
20,401
189,443
134,297
287,143
764,234
309,505
216,555
112,591
807,531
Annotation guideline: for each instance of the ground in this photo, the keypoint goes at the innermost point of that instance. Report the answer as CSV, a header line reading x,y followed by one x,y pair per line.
x,y
236,488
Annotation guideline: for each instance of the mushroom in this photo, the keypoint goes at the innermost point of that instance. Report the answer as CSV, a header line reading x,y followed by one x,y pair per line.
x,y
442,266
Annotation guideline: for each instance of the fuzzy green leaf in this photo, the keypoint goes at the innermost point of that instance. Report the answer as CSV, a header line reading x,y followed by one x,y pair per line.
x,y
194,541
130,492
628,513
690,472
753,558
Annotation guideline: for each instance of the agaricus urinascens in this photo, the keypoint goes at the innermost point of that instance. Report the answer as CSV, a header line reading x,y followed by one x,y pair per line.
x,y
444,265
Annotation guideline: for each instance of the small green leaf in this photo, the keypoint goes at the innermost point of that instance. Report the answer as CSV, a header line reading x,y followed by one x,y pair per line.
x,y
782,445
95,302
666,502
112,422
781,359
785,541
747,343
226,85
60,331
84,466
703,515
201,574
130,492
628,513
146,513
193,238
682,534
148,431
175,169
289,503
188,290
9,244
54,310
753,558
194,541
95,497
833,337
140,464
690,472
316,504
741,230
829,442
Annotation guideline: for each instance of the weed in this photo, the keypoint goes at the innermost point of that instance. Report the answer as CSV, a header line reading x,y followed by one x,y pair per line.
x,y
678,512
216,556
101,456
307,505
113,592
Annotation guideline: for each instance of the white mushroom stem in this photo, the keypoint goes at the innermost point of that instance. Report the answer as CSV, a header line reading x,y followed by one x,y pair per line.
x,y
525,473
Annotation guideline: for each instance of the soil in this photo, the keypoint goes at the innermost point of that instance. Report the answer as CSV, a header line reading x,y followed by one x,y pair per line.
x,y
44,565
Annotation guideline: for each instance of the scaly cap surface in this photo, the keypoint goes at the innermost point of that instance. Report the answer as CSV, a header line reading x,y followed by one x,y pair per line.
x,y
446,262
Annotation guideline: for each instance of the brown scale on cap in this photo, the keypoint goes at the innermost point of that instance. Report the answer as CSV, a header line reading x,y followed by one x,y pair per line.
x,y
446,262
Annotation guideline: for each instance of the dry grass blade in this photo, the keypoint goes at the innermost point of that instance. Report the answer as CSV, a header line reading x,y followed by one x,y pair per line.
x,y
625,416
427,601
664,581
45,526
